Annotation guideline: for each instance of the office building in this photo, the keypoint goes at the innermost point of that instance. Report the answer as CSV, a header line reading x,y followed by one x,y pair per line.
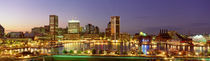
x,y
115,27
53,24
96,30
74,27
91,29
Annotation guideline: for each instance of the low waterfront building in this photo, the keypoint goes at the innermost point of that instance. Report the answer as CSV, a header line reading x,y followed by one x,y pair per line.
x,y
71,36
15,35
200,39
19,39
45,37
124,37
172,36
62,31
91,37
38,31
28,35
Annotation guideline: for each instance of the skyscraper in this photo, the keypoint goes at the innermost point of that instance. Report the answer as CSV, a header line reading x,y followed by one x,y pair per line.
x,y
74,27
108,30
115,27
53,24
96,30
1,31
89,28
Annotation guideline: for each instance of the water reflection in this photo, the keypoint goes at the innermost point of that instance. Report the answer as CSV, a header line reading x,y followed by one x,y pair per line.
x,y
122,48
131,47
145,49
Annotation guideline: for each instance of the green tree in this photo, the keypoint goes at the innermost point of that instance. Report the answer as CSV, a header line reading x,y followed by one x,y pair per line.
x,y
64,51
71,51
79,52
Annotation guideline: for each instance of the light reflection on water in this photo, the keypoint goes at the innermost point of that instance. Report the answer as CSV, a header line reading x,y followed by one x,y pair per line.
x,y
120,47
125,47
145,48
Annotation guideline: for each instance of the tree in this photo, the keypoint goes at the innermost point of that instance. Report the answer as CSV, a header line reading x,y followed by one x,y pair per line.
x,y
64,51
71,51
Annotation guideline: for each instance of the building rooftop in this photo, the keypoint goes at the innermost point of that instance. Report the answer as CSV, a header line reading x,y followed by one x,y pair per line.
x,y
74,21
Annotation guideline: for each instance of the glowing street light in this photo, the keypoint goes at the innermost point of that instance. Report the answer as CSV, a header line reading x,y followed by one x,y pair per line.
x,y
180,53
75,52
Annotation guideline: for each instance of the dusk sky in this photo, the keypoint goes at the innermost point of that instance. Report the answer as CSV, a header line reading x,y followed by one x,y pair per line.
x,y
149,16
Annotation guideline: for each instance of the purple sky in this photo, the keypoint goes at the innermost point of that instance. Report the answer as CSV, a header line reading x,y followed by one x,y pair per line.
x,y
148,16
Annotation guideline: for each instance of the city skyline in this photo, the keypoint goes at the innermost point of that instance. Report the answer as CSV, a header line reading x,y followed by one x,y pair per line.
x,y
105,30
182,16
